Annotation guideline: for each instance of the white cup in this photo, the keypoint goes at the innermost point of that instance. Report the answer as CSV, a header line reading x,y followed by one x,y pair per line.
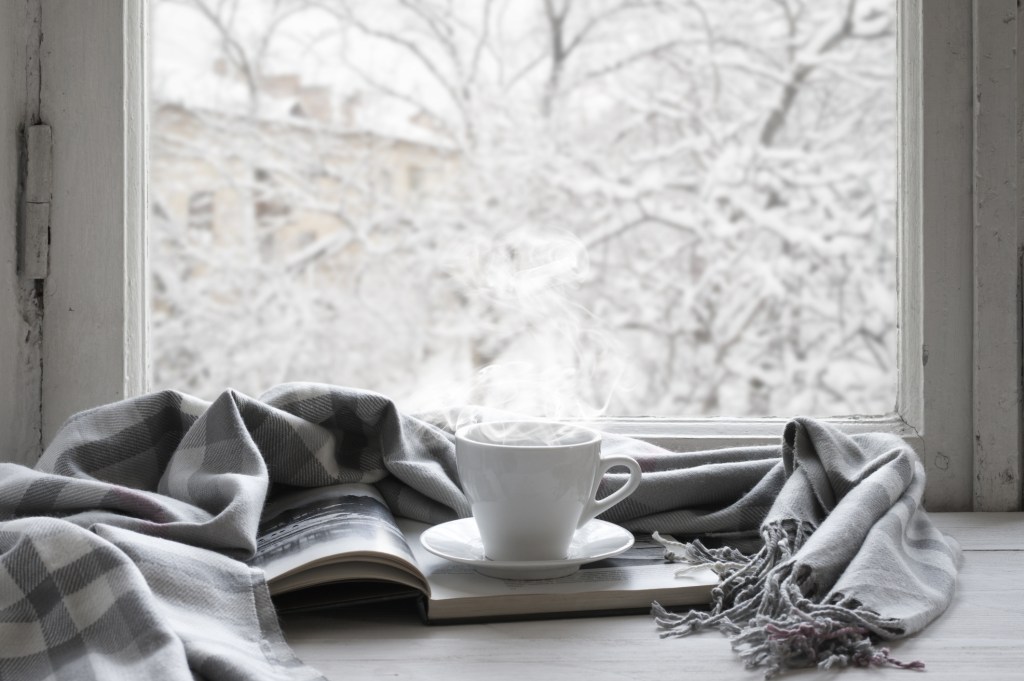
x,y
532,484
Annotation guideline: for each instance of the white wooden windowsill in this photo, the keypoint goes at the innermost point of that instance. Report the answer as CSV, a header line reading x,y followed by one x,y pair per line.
x,y
980,636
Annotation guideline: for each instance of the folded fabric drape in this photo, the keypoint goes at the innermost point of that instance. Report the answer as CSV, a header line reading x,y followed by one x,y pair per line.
x,y
849,557
122,552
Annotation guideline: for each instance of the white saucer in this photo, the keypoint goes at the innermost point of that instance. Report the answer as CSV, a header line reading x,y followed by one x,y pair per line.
x,y
459,541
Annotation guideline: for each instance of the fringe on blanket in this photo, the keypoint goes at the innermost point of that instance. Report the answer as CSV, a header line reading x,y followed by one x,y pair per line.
x,y
760,605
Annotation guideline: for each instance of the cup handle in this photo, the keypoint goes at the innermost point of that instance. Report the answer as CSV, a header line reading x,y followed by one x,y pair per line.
x,y
599,506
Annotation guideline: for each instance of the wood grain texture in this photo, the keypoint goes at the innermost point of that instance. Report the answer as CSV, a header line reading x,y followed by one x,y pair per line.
x,y
136,174
984,531
20,314
936,155
93,294
979,636
997,250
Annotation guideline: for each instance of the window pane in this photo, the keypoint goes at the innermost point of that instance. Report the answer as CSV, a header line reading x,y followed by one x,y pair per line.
x,y
635,207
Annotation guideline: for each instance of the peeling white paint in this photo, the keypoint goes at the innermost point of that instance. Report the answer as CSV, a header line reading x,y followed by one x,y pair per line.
x,y
997,242
20,297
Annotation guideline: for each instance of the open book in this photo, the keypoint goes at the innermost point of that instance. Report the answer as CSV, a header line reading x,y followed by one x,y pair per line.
x,y
341,545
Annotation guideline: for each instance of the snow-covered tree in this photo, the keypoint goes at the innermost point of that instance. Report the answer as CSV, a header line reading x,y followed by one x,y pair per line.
x,y
558,206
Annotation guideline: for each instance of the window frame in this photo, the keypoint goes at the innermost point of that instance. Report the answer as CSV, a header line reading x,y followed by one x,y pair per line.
x,y
94,300
958,402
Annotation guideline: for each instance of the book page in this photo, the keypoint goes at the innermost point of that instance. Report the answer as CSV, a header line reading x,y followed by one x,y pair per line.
x,y
308,529
627,581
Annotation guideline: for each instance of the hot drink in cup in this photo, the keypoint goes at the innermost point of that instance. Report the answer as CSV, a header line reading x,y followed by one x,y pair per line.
x,y
532,484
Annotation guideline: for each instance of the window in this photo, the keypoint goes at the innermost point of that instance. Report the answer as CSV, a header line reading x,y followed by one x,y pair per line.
x,y
602,207
946,345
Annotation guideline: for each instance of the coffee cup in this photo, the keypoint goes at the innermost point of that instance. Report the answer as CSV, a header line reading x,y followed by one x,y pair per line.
x,y
532,484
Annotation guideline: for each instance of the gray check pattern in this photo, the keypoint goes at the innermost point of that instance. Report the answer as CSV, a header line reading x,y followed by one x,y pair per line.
x,y
122,553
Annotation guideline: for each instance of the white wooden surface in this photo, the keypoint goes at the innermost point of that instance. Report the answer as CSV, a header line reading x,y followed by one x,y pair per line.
x,y
936,160
92,97
981,635
20,313
997,323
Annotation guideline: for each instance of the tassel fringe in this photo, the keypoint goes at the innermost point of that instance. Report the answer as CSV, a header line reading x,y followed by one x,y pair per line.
x,y
760,605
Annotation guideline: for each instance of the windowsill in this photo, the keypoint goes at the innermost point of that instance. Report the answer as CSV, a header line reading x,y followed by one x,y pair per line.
x,y
977,637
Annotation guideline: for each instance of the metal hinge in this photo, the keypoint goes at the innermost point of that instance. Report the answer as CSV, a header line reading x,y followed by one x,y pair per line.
x,y
34,246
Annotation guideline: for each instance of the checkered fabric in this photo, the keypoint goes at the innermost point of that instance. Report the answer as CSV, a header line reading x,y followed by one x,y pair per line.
x,y
122,552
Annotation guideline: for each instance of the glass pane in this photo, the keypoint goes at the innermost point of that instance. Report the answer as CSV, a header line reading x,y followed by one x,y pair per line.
x,y
565,207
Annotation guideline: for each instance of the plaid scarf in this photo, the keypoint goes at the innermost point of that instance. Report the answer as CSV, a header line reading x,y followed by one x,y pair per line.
x,y
122,552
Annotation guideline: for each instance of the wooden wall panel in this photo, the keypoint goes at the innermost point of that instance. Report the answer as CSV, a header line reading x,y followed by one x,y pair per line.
x,y
997,252
936,159
20,318
92,98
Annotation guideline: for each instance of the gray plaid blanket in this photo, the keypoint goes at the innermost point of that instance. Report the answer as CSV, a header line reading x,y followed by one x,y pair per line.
x,y
122,552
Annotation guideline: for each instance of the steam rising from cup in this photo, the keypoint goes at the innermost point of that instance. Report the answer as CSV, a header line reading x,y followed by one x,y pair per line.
x,y
532,349
528,434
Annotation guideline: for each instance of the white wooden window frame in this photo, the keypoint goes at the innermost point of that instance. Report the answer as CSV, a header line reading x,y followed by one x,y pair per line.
x,y
959,264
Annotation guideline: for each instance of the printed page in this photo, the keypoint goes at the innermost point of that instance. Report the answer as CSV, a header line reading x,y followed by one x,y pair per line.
x,y
628,581
311,528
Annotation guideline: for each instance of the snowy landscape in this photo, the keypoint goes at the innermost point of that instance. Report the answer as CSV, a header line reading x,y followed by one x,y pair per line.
x,y
562,207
